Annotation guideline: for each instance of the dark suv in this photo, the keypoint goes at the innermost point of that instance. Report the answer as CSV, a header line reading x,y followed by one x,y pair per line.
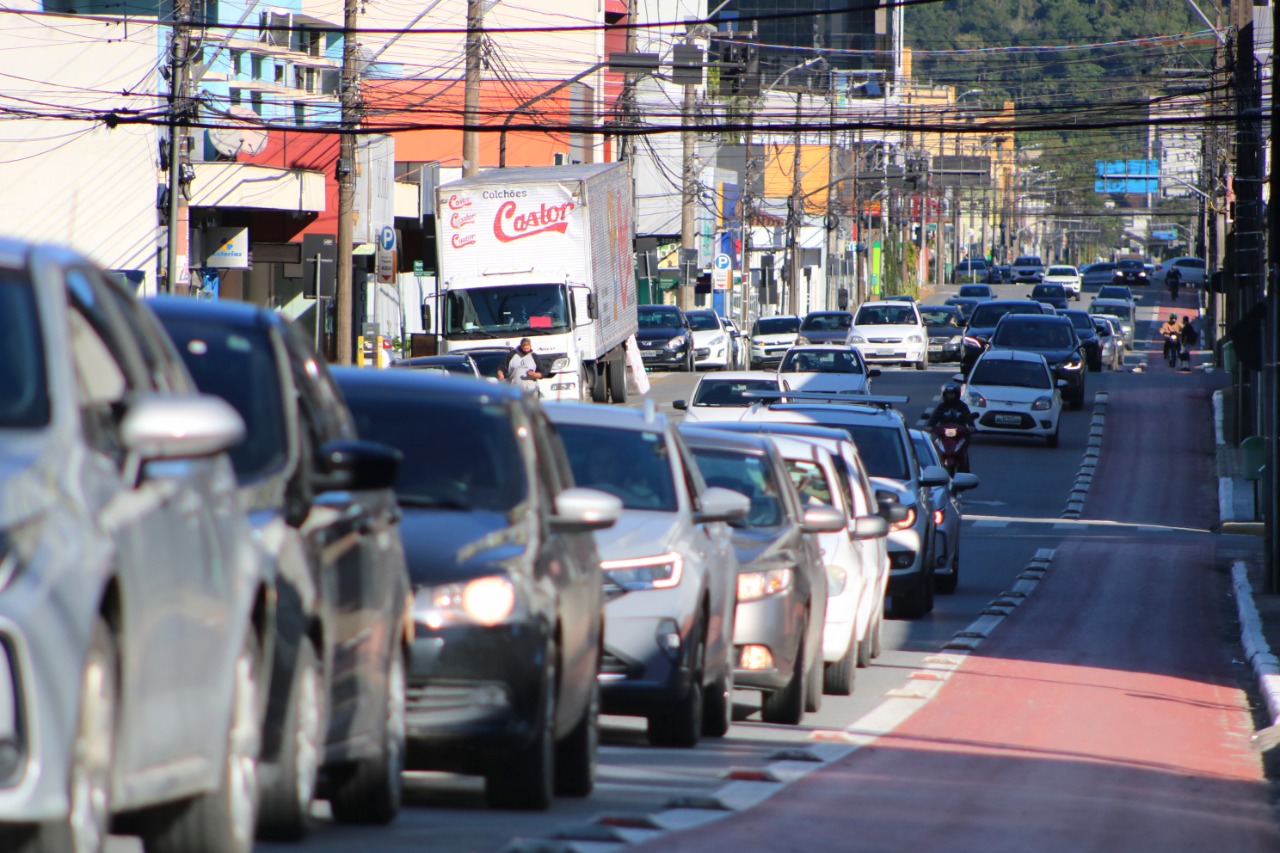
x,y
321,506
1052,337
982,322
507,603
664,337
1130,271
1051,294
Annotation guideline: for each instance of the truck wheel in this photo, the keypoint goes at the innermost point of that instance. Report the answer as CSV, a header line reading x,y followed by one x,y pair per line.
x,y
618,380
599,384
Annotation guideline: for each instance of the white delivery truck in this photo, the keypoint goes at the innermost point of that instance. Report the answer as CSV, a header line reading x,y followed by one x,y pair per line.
x,y
544,254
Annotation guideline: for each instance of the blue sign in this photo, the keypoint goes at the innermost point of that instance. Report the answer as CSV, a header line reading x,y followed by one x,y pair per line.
x,y
723,262
1126,176
387,238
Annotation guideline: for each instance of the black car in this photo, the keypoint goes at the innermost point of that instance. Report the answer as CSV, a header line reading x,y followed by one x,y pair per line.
x,y
322,508
982,322
1130,271
946,331
460,364
507,595
966,304
1051,294
825,327
664,337
1087,332
1052,337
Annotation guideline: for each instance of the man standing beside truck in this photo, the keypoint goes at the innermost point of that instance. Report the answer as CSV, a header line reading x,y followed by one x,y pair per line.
x,y
522,369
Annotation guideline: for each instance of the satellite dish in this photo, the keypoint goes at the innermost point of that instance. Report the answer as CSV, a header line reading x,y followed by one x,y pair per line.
x,y
239,137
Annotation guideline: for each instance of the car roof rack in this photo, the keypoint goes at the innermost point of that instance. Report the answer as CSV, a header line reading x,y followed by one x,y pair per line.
x,y
820,397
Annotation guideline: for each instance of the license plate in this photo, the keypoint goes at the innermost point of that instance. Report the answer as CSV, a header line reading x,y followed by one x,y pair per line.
x,y
1008,419
935,346
882,351
644,354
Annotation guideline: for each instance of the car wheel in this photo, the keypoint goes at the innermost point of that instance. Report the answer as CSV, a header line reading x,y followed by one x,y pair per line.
x,y
717,707
575,758
917,603
88,822
526,780
813,682
838,677
681,725
876,646
690,363
288,785
864,646
223,820
946,584
923,362
371,792
618,381
786,706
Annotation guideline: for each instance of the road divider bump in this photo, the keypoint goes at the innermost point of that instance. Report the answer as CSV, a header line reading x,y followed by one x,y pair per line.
x,y
796,755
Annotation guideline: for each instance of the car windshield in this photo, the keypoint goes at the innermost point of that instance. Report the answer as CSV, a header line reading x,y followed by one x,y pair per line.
x,y
702,321
660,318
502,312
1067,271
1032,335
1108,292
886,315
777,326
24,390
881,448
826,322
238,365
730,392
1080,320
632,464
1121,311
1009,373
815,361
1047,290
746,474
1130,266
1027,261
974,290
939,316
988,315
459,453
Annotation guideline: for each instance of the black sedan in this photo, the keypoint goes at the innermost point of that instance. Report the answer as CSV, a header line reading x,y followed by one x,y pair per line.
x,y
945,325
664,337
1130,271
507,597
1052,337
982,323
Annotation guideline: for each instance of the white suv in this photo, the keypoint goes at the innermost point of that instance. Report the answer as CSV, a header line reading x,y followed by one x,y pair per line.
x,y
891,331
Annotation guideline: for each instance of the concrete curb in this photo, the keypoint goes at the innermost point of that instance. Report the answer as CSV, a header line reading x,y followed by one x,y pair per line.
x,y
1266,667
1089,462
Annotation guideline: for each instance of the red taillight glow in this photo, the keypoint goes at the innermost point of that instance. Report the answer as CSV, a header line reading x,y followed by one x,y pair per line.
x,y
938,516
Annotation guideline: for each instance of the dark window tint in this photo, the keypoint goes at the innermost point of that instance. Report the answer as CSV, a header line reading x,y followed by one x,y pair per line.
x,y
748,475
238,366
1080,320
940,316
988,315
729,392
1047,291
650,318
490,362
886,315
632,464
1032,335
1016,374
814,361
1130,266
458,453
702,321
971,290
24,391
826,322
777,326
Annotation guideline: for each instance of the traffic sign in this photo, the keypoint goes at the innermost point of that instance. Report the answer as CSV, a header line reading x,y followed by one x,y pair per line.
x,y
386,256
723,262
720,278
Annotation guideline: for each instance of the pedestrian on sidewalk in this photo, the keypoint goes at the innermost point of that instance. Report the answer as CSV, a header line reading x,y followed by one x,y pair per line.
x,y
1190,338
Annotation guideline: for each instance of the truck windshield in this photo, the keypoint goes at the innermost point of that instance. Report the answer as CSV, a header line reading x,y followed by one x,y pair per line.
x,y
502,312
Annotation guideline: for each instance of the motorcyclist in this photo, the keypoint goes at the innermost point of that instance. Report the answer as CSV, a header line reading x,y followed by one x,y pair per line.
x,y
1171,331
1173,278
952,410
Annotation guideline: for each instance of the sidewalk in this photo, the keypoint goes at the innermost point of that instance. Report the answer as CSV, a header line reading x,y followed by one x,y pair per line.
x,y
1259,612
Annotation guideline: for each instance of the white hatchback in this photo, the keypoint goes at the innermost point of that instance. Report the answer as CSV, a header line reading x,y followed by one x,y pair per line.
x,y
890,331
1013,392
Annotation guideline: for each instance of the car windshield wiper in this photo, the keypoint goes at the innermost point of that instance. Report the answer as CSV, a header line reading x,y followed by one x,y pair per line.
x,y
421,502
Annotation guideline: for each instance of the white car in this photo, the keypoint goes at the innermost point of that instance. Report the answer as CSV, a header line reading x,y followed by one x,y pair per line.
x,y
890,331
1013,392
1068,277
1191,269
838,370
712,344
722,396
770,339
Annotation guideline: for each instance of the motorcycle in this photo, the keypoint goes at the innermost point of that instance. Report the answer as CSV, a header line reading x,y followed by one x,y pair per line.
x,y
1172,346
952,441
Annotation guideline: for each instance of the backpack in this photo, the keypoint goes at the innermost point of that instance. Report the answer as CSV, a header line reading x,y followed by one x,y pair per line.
x,y
1190,337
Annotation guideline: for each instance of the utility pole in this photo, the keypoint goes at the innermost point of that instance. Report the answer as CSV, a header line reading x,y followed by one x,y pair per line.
x,y
471,92
178,215
350,95
795,213
833,219
747,208
1271,349
859,236
688,199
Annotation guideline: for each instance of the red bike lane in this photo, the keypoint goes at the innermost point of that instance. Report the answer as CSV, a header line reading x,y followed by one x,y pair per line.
x,y
1105,714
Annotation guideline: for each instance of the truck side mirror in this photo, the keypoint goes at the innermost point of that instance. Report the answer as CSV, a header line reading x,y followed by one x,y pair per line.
x,y
426,317
591,306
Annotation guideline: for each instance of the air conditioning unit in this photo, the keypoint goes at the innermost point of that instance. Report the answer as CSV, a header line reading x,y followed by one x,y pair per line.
x,y
560,159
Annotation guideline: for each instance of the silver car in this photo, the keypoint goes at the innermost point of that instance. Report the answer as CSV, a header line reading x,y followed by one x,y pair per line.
x,y
669,572
945,500
133,605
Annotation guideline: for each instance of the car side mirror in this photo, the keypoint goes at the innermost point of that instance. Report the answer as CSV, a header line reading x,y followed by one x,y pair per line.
x,y
721,505
934,475
180,426
891,509
680,405
868,527
581,510
350,465
822,519
964,482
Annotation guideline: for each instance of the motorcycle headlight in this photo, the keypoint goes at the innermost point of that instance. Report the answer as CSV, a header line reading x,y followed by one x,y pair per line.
x,y
560,365
856,339
716,341
660,572
676,342
757,585
486,601
976,399
906,522
914,339
1042,404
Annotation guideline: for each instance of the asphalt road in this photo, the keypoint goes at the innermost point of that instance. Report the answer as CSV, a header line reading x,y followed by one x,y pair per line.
x,y
1015,512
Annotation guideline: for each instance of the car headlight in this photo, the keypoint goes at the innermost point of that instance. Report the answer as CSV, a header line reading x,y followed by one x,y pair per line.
x,y
560,365
660,572
971,341
1042,404
856,339
676,342
756,585
976,399
906,522
837,578
487,601
716,341
1071,364
914,339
